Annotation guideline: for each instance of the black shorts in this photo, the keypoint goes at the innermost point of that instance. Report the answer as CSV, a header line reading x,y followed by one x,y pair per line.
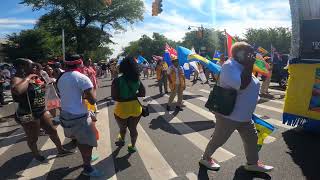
x,y
36,114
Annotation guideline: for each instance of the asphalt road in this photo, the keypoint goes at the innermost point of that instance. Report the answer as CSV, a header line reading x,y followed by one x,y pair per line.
x,y
169,144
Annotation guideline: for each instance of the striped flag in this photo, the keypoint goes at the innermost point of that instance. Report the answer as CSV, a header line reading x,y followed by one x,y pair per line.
x,y
264,129
173,53
230,42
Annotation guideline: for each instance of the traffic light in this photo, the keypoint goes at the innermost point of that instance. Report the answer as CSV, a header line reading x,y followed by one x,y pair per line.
x,y
159,6
156,7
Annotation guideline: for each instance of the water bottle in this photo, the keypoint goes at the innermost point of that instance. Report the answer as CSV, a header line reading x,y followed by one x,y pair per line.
x,y
45,76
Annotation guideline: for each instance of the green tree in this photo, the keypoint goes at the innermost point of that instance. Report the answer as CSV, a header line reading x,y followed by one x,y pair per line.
x,y
280,38
35,44
209,38
82,18
147,46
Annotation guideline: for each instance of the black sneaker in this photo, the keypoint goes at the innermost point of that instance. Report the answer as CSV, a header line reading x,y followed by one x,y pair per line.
x,y
178,108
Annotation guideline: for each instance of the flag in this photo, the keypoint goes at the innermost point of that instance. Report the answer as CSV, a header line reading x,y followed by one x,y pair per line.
x,y
183,54
262,50
141,60
173,53
264,129
230,42
217,55
262,67
167,58
210,65
157,58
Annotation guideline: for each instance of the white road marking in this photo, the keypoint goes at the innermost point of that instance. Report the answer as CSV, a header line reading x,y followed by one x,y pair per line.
x,y
191,176
105,162
12,141
265,99
156,165
270,108
209,115
35,169
277,91
196,138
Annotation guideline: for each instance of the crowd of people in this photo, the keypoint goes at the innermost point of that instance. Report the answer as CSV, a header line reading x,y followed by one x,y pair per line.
x,y
75,83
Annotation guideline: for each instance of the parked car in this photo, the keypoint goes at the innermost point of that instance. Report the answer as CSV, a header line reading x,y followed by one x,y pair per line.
x,y
279,73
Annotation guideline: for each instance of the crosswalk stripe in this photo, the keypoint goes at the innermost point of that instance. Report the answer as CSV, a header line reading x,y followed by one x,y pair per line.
x,y
191,176
8,126
208,114
34,169
277,91
105,162
265,99
270,108
156,165
258,105
11,141
196,138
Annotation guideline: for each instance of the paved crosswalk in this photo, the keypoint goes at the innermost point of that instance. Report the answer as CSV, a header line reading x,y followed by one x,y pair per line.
x,y
154,160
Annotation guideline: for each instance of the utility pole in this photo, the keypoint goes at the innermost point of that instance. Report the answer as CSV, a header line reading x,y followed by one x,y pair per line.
x,y
63,46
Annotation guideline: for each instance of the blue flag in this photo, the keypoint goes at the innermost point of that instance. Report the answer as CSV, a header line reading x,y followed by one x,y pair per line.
x,y
167,58
183,54
141,60
217,55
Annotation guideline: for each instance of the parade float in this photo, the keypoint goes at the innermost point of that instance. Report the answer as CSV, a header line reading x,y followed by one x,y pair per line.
x,y
302,101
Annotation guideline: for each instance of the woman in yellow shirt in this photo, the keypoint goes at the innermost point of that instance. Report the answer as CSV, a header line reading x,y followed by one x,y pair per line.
x,y
125,90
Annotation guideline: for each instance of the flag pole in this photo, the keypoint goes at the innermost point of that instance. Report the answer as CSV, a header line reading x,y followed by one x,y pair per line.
x,y
63,46
225,43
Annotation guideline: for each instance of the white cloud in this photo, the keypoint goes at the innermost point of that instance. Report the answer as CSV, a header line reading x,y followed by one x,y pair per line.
x,y
17,21
241,15
171,24
197,3
234,16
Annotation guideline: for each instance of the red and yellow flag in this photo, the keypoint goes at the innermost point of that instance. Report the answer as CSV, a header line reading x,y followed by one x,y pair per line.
x,y
230,42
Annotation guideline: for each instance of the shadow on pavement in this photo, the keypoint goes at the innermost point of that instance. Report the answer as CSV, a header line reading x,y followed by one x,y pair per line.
x,y
122,162
304,150
153,85
160,123
203,173
186,97
61,173
8,133
242,174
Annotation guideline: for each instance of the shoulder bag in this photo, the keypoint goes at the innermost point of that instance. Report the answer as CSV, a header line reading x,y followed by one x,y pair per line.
x,y
28,117
221,100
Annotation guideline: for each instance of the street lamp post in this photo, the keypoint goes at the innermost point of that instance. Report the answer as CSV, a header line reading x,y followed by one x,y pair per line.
x,y
200,35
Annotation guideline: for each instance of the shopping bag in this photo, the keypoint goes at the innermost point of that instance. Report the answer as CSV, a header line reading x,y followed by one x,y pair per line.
x,y
51,98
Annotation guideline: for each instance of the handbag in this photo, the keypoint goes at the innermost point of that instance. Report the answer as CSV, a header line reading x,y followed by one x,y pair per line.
x,y
145,109
221,100
24,119
52,99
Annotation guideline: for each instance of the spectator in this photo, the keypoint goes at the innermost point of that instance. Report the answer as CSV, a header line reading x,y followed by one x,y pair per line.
x,y
177,84
145,67
28,92
237,74
125,90
89,70
74,116
162,69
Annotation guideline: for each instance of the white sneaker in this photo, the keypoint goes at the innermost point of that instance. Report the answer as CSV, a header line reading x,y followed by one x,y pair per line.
x,y
258,168
210,164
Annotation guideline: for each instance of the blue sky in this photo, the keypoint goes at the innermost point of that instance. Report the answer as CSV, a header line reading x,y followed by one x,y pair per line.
x,y
233,15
